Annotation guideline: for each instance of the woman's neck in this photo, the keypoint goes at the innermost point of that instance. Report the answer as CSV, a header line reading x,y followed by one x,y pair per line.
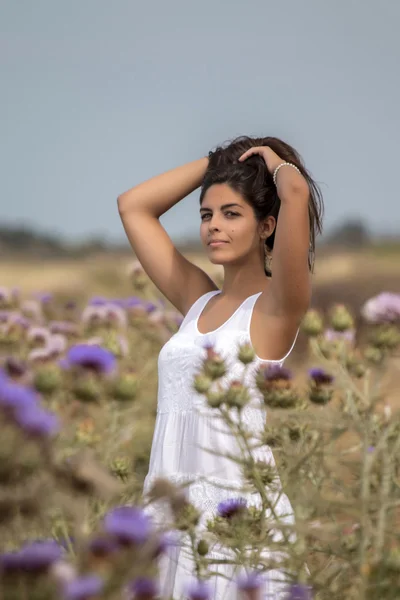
x,y
242,282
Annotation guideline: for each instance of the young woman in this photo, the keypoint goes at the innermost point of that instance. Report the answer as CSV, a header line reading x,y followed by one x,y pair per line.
x,y
257,200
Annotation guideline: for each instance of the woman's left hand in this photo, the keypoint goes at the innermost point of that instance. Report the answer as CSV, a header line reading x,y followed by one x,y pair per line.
x,y
272,160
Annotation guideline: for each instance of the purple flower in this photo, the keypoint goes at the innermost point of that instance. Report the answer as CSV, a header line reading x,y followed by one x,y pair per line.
x,y
18,319
144,588
36,421
150,307
320,377
38,334
231,507
44,297
15,367
32,308
16,397
198,590
98,301
298,591
4,315
332,336
5,294
63,327
249,581
128,524
40,355
3,377
133,302
70,305
276,373
117,302
8,296
116,314
10,562
39,555
83,588
382,308
93,358
34,556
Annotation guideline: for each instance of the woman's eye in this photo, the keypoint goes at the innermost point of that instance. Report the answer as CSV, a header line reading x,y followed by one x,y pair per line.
x,y
205,216
229,213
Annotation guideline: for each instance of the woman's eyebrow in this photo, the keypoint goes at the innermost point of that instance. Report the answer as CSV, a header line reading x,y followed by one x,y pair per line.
x,y
222,207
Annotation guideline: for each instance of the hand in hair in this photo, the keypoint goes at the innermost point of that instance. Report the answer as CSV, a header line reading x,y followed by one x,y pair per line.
x,y
272,160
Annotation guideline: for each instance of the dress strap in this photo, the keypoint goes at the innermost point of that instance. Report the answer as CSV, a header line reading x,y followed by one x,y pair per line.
x,y
197,307
241,319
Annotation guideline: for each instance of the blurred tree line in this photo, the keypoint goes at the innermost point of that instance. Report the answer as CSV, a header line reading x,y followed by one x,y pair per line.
x,y
23,241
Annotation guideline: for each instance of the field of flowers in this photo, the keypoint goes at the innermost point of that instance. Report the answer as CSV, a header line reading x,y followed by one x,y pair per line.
x,y
77,407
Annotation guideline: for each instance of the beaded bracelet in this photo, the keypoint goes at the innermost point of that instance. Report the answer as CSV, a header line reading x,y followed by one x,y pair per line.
x,y
284,164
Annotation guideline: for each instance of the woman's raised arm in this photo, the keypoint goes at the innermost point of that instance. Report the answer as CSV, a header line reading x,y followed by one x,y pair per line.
x,y
140,208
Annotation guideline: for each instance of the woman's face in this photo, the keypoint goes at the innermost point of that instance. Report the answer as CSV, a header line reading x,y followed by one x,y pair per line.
x,y
229,230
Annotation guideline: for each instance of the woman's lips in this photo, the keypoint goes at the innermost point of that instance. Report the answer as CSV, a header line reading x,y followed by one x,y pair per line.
x,y
216,244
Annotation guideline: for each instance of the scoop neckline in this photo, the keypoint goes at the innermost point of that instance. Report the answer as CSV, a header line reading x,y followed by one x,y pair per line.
x,y
196,323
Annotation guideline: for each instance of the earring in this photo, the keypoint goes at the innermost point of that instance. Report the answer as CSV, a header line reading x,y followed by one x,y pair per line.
x,y
267,258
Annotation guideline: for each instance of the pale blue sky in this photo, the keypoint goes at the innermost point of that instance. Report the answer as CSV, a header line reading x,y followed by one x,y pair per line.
x,y
97,96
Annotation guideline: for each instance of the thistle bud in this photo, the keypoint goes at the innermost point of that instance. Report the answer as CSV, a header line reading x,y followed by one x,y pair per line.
x,y
355,366
214,365
202,548
295,431
215,398
272,437
373,355
275,384
238,395
341,319
86,434
334,344
350,538
265,471
246,354
320,391
202,384
120,466
186,517
125,387
320,395
385,337
312,323
87,388
47,379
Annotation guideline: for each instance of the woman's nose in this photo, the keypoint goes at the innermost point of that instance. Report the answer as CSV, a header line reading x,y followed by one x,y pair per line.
x,y
213,223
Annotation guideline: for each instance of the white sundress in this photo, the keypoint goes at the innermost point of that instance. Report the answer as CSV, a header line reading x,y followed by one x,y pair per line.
x,y
186,427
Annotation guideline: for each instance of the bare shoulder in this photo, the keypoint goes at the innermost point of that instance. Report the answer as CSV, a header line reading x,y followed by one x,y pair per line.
x,y
272,334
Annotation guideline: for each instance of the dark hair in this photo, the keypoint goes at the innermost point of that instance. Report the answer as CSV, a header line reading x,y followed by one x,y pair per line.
x,y
254,182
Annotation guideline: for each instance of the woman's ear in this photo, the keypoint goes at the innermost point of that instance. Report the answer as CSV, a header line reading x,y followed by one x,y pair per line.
x,y
267,227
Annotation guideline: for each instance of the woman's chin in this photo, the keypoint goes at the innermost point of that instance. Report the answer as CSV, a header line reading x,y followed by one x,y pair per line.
x,y
217,260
